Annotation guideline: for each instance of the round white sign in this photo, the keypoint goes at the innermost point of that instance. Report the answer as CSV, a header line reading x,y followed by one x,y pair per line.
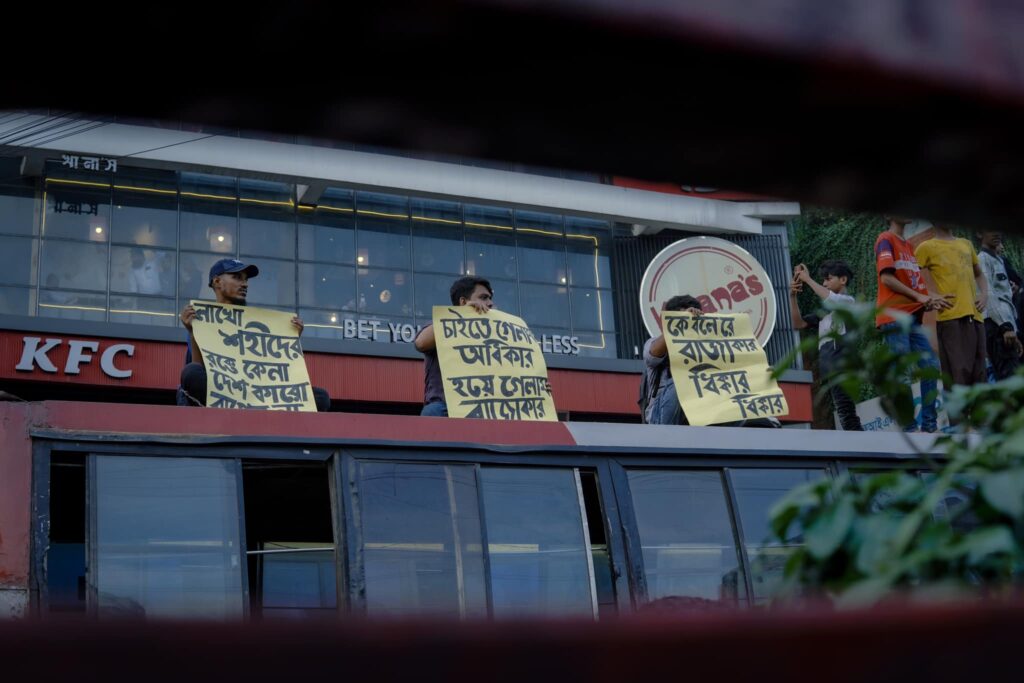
x,y
722,276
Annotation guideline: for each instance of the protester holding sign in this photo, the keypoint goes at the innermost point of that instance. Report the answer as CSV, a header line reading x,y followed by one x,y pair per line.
x,y
721,372
658,395
492,366
229,280
835,275
466,291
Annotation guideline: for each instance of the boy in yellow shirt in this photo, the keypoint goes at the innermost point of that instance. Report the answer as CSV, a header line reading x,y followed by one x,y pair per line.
x,y
950,268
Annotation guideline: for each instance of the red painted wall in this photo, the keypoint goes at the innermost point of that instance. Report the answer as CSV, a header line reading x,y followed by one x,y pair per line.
x,y
156,365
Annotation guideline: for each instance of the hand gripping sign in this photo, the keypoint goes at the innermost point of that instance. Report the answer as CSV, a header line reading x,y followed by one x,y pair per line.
x,y
491,365
253,358
720,370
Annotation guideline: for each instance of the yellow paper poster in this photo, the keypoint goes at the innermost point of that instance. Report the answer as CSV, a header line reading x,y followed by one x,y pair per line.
x,y
253,358
721,373
491,365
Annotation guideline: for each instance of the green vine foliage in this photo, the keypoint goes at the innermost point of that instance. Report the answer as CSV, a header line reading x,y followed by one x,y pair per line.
x,y
821,234
950,525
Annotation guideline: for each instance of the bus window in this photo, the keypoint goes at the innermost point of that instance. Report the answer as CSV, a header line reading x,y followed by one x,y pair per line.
x,y
290,540
421,547
757,490
65,556
686,536
540,562
167,538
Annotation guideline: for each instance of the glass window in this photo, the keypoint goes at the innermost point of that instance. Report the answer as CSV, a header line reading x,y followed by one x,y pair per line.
x,y
295,583
194,276
209,213
142,271
432,290
536,223
387,292
17,300
506,295
756,492
328,233
143,310
545,305
421,540
333,325
146,209
167,538
597,344
588,247
437,237
275,285
17,210
72,305
74,265
592,309
267,219
326,286
382,238
542,259
490,254
17,260
488,217
76,212
686,536
539,559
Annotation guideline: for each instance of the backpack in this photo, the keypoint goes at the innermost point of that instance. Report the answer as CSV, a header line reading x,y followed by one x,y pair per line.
x,y
647,391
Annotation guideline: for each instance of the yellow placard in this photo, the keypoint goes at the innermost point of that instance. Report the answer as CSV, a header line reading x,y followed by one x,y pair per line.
x,y
719,370
492,366
253,358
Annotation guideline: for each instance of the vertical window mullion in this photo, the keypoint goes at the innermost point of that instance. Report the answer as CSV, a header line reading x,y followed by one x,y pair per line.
x,y
586,541
737,525
485,544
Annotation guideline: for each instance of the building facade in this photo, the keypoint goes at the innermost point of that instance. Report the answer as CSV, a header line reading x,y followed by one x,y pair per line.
x,y
109,228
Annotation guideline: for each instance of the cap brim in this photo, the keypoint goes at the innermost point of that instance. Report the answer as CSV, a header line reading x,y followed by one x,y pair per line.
x,y
250,270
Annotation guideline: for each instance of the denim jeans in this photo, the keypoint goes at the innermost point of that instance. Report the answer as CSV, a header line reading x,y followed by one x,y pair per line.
x,y
901,342
435,409
666,410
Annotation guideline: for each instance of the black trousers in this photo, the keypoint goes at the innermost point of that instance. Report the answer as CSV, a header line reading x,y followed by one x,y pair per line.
x,y
193,389
828,357
1004,359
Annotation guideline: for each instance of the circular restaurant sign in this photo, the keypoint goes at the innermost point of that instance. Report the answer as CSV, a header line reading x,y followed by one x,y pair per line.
x,y
722,276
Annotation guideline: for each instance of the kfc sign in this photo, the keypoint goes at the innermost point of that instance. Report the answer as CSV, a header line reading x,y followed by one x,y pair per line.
x,y
35,354
722,276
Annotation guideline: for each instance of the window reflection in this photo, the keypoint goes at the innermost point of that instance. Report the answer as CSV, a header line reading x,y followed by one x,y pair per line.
x,y
275,285
266,219
327,286
142,310
437,237
167,538
686,535
545,305
209,213
146,209
421,540
17,210
17,260
194,276
539,559
74,265
756,492
76,212
142,271
387,292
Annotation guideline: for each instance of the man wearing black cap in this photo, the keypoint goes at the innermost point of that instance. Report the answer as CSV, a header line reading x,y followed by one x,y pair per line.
x,y
229,280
